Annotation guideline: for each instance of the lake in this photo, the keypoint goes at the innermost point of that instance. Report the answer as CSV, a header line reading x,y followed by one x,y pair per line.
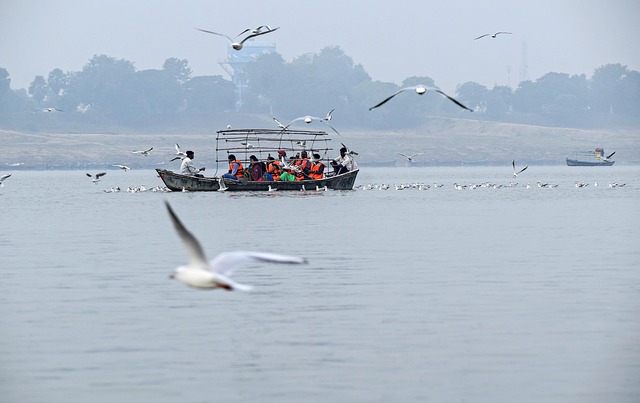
x,y
508,294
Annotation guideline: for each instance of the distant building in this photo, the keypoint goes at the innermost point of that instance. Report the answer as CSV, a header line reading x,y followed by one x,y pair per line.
x,y
237,62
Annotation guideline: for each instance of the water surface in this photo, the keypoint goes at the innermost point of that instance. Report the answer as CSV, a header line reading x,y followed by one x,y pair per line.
x,y
475,295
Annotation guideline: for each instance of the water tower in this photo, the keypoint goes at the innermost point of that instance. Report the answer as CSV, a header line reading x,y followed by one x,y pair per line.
x,y
237,62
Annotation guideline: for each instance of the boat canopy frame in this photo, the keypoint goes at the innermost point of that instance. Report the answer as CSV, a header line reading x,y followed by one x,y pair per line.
x,y
267,142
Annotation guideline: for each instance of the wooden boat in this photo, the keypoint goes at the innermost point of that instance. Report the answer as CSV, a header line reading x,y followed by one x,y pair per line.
x,y
590,158
262,143
178,182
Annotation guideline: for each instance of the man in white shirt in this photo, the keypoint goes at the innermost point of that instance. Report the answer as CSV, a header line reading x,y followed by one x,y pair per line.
x,y
187,168
344,163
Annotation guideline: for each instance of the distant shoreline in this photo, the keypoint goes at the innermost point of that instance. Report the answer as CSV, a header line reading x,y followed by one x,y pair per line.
x,y
443,142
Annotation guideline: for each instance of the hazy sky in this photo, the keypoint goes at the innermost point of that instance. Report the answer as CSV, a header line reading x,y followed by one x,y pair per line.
x,y
391,39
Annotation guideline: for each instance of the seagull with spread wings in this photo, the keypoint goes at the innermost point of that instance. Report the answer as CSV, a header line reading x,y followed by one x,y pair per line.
x,y
143,152
513,164
238,45
410,157
96,177
2,179
200,273
308,119
180,155
492,35
420,90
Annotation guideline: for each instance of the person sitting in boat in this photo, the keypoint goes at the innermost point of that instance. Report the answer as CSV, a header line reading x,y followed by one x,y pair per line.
x,y
302,167
317,168
342,164
273,169
187,168
287,176
236,171
255,169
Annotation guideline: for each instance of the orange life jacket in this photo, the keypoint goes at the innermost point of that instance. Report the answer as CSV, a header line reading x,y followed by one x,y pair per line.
x,y
240,171
303,163
274,169
317,170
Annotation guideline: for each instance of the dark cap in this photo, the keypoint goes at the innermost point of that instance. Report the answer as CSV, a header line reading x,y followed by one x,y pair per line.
x,y
189,153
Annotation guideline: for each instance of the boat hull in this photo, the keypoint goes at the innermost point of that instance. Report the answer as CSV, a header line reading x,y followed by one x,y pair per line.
x,y
579,163
179,182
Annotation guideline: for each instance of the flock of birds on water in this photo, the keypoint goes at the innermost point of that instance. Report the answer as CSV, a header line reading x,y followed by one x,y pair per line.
x,y
210,274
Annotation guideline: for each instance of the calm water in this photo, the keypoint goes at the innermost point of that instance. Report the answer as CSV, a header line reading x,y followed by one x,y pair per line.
x,y
442,295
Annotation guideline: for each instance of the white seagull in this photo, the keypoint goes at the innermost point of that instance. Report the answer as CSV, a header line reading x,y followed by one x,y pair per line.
x,y
143,152
49,110
179,154
410,157
492,35
280,124
513,164
255,30
2,179
200,273
96,178
221,185
123,167
238,45
350,152
420,90
608,156
308,119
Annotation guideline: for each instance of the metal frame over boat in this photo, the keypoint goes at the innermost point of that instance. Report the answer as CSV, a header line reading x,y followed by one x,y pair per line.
x,y
262,143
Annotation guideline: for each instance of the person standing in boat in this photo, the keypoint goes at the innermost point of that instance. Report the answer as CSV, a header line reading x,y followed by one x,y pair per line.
x,y
317,168
187,168
342,164
236,170
255,169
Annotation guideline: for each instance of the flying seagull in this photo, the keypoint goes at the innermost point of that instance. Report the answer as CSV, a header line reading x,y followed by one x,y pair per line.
x,y
608,156
200,273
420,90
221,185
256,30
492,35
513,164
350,152
410,157
238,45
280,124
308,119
180,155
51,110
123,167
2,179
96,178
144,152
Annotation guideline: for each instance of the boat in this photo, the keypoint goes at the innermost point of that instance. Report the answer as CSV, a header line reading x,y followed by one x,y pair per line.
x,y
590,158
262,143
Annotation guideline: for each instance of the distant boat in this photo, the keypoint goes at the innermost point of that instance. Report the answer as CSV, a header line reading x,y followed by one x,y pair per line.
x,y
590,158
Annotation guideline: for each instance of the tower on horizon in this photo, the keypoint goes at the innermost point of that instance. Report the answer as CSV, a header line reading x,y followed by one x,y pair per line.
x,y
524,74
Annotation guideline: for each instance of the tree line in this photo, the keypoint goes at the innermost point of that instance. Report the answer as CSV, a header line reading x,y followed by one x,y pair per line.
x,y
111,93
